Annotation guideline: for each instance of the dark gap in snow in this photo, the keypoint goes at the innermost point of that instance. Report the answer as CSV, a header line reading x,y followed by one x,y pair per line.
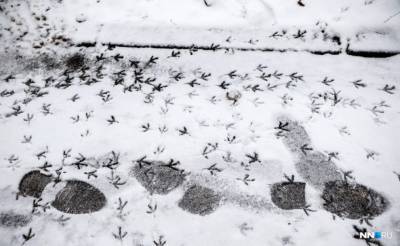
x,y
371,54
87,44
325,52
212,47
368,54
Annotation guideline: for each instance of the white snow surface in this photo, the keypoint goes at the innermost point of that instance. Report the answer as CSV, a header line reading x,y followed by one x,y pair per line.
x,y
353,131
363,127
231,23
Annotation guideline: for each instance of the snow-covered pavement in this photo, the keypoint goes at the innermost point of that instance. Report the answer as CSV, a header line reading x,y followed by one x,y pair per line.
x,y
215,137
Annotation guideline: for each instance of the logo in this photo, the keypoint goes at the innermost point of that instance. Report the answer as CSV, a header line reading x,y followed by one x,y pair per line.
x,y
375,235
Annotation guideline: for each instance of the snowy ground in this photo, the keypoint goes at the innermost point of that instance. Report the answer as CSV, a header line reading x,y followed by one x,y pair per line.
x,y
210,113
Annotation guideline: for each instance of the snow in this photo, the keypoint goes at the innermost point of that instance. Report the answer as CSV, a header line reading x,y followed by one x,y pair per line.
x,y
362,127
163,22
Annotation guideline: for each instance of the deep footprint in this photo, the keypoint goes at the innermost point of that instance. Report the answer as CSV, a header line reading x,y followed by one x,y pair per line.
x,y
79,197
289,195
33,183
200,200
353,201
158,178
